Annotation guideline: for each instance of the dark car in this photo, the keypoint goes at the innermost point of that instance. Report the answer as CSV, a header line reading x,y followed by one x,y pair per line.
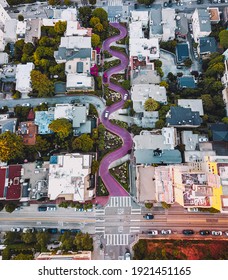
x,y
16,11
52,230
63,230
188,231
204,232
75,230
42,208
148,216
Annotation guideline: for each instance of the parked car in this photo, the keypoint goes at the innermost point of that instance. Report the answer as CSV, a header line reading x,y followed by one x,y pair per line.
x,y
125,96
40,229
26,105
16,11
193,209
204,232
148,216
64,230
31,230
79,209
127,256
188,231
106,114
51,208
15,229
52,230
42,208
152,232
166,231
75,231
214,232
226,233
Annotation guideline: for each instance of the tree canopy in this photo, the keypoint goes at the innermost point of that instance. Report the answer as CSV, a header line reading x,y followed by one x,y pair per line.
x,y
60,27
151,105
11,146
101,14
41,84
62,127
223,37
95,40
83,143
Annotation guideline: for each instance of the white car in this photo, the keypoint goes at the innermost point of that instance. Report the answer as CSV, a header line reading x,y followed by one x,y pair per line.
x,y
25,230
166,231
125,96
152,232
26,105
216,232
51,208
15,229
127,256
226,233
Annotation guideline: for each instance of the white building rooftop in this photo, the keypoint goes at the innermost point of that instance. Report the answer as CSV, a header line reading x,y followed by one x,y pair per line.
x,y
21,28
69,176
135,30
23,79
73,42
196,105
144,48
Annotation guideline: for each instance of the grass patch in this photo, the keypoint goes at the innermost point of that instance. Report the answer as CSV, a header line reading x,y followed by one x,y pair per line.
x,y
121,174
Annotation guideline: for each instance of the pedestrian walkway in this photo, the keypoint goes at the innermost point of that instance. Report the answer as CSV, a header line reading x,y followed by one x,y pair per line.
x,y
115,3
99,212
99,229
136,211
116,239
119,201
134,229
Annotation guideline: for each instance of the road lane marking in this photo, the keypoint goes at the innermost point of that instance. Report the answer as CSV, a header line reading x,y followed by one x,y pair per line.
x,y
135,220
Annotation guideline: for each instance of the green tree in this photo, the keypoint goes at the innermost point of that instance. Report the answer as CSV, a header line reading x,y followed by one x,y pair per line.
x,y
20,17
10,207
99,28
67,2
165,205
11,146
11,237
160,124
188,62
95,167
22,256
151,105
42,239
225,120
83,143
148,205
101,14
67,241
18,49
16,95
164,84
42,145
41,84
140,249
93,2
83,241
223,38
28,49
95,40
126,84
84,15
62,127
94,21
208,103
60,27
28,237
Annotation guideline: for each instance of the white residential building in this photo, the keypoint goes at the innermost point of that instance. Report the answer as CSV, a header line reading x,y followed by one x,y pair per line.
x,y
23,78
73,42
201,24
10,29
74,29
196,105
140,93
3,16
156,27
21,29
2,41
168,24
135,30
69,177
144,49
149,140
142,16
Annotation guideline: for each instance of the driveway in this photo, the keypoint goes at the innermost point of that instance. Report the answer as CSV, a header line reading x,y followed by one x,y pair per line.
x,y
114,188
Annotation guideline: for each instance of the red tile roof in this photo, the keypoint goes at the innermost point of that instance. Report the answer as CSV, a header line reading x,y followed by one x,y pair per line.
x,y
2,181
14,185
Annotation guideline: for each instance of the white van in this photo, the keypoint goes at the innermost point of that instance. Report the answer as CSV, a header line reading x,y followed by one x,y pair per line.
x,y
106,114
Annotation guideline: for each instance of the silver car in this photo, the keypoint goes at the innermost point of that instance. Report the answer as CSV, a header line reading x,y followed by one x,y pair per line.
x,y
166,231
153,232
216,232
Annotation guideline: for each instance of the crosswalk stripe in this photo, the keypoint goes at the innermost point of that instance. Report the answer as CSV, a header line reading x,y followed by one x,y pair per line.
x,y
116,239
